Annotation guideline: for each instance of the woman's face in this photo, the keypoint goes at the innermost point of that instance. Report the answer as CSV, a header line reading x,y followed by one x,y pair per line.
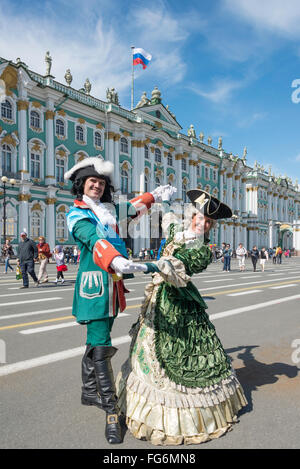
x,y
201,224
94,187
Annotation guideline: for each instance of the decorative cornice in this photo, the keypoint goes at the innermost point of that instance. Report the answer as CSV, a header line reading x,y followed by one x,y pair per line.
x,y
237,177
229,175
125,133
9,140
22,105
10,78
81,120
117,137
179,156
244,179
222,171
36,206
110,135
62,113
36,104
99,126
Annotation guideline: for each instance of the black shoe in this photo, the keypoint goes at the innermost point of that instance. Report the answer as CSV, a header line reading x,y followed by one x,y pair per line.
x,y
90,395
106,387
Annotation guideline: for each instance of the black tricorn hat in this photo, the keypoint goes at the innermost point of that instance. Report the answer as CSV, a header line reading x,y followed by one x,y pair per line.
x,y
211,206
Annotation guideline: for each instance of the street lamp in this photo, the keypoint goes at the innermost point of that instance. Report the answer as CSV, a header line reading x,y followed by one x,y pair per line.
x,y
5,181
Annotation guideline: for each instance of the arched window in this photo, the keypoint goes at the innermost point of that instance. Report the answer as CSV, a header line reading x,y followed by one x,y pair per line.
x,y
124,181
157,181
146,152
79,134
35,165
124,145
198,170
60,169
60,128
183,164
184,196
6,110
157,155
170,159
36,225
147,185
98,140
35,119
11,221
6,160
61,226
206,172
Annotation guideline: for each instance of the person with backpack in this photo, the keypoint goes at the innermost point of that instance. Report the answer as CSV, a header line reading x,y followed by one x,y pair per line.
x,y
278,255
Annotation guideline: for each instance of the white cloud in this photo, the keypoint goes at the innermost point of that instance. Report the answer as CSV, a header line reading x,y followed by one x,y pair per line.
x,y
220,92
297,158
277,16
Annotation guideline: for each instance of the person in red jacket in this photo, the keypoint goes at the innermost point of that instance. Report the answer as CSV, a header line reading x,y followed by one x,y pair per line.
x,y
43,256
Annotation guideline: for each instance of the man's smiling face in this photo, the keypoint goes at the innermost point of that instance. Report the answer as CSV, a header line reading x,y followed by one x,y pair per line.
x,y
94,187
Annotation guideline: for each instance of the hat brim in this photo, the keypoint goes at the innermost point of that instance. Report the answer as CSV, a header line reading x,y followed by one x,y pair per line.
x,y
212,207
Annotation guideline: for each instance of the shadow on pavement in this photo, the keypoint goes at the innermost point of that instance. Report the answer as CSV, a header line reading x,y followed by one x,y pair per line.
x,y
255,373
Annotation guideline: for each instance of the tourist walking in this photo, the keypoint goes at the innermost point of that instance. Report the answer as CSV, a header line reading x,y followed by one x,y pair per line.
x,y
263,258
254,253
227,253
241,253
7,253
274,255
44,255
278,255
60,263
75,255
27,253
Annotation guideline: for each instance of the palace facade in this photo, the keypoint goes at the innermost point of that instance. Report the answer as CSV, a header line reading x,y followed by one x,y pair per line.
x,y
46,127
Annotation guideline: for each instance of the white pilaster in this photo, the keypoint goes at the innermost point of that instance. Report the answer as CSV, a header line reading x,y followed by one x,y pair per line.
x,y
50,159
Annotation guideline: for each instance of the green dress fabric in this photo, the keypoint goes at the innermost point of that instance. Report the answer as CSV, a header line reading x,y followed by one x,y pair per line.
x,y
186,344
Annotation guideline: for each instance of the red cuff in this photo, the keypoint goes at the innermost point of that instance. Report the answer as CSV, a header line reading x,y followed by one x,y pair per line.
x,y
103,254
142,203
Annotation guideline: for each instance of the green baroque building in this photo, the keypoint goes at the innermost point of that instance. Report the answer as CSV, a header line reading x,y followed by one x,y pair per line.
x,y
46,127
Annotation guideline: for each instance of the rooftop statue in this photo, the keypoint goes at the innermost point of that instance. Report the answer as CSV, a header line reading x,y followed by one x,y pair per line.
x,y
87,86
220,143
191,131
143,101
48,60
112,96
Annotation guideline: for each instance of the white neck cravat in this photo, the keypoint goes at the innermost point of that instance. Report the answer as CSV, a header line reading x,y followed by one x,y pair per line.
x,y
102,212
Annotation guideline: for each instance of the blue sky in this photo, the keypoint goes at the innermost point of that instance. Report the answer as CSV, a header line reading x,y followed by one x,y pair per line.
x,y
225,66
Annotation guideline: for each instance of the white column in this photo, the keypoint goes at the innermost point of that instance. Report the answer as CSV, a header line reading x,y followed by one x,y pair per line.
x,y
237,192
50,158
110,146
117,162
50,217
22,130
286,208
135,169
221,185
244,196
229,189
24,197
178,173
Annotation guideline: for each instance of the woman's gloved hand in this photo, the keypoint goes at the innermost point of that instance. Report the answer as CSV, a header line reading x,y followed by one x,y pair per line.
x,y
123,266
151,268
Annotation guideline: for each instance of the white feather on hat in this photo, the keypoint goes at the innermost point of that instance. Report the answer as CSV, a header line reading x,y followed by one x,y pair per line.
x,y
102,167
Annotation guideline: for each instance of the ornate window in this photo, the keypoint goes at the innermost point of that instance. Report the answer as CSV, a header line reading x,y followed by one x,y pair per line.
x,y
183,164
60,127
60,169
97,139
146,152
157,181
124,181
36,225
6,160
206,172
170,159
157,155
124,145
35,120
6,110
198,170
215,175
35,165
79,133
61,226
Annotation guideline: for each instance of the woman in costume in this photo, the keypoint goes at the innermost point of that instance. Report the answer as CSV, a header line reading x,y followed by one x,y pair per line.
x,y
178,386
99,289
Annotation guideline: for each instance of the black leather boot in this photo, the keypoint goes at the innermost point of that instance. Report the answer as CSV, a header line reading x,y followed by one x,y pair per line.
x,y
89,395
107,390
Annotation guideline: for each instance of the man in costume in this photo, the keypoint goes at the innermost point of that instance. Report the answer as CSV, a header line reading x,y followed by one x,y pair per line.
x,y
178,386
99,289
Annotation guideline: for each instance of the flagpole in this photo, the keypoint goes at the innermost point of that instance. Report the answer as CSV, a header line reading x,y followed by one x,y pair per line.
x,y
132,79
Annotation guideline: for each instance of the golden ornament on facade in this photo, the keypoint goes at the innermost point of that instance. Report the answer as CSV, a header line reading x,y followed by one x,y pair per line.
x,y
158,124
61,112
36,104
117,137
244,179
125,166
24,197
62,153
99,125
159,143
36,206
110,135
152,149
22,105
147,141
178,156
49,115
10,78
229,175
50,201
81,120
125,133
36,146
9,140
171,149
237,177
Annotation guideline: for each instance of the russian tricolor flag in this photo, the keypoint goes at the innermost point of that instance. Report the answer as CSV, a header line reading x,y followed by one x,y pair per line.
x,y
140,56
